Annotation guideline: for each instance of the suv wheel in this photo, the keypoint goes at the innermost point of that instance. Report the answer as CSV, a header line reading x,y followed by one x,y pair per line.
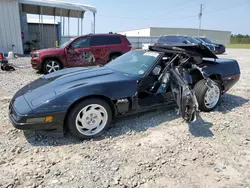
x,y
89,119
112,57
51,65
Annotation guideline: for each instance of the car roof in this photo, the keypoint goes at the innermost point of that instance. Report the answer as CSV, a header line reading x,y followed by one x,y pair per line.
x,y
175,36
101,34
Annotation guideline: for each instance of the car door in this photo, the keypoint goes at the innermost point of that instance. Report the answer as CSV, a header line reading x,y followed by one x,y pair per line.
x,y
78,53
184,96
100,48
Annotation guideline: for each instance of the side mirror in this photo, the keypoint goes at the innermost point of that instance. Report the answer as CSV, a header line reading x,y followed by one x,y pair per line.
x,y
70,47
156,71
185,42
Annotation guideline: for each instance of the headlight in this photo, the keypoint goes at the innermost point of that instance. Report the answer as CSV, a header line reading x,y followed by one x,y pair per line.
x,y
35,55
43,99
212,48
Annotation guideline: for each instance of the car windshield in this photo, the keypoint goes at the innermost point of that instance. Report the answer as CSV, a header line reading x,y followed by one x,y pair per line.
x,y
199,39
134,62
192,40
66,43
207,40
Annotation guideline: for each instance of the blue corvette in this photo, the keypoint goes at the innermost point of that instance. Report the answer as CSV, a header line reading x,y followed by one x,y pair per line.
x,y
85,100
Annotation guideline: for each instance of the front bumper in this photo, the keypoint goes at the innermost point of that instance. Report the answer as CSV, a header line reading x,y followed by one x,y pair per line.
x,y
220,50
36,63
20,121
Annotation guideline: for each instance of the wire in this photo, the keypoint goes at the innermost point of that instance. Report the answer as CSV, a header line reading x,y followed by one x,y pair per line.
x,y
168,18
135,18
146,18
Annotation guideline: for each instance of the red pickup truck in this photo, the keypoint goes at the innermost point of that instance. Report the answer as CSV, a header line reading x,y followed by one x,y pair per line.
x,y
87,50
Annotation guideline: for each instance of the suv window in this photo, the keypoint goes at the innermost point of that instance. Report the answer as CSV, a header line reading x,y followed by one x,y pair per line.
x,y
82,42
114,40
169,39
105,40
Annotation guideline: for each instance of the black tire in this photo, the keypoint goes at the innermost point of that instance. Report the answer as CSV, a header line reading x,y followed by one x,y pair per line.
x,y
58,66
114,56
200,90
73,114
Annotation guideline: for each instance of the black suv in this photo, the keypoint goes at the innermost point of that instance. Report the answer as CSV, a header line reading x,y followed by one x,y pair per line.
x,y
177,40
219,48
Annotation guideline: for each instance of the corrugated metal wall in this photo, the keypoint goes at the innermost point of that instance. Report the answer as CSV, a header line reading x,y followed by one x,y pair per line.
x,y
10,29
49,34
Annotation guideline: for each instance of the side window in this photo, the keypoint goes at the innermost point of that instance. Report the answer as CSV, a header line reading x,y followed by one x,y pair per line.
x,y
174,39
113,40
98,40
169,39
81,43
105,40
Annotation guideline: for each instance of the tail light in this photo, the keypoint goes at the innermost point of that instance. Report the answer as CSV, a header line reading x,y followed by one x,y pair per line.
x,y
1,56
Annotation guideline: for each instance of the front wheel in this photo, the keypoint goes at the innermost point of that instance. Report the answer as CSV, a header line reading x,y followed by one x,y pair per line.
x,y
208,98
51,65
89,119
113,57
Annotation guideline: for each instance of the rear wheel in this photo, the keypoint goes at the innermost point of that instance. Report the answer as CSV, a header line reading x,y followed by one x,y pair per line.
x,y
114,56
208,98
89,119
51,65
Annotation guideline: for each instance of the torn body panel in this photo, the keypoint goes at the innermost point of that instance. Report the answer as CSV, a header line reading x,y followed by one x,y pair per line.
x,y
183,96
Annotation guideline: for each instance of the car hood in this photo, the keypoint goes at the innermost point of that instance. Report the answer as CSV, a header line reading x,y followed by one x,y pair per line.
x,y
72,78
49,50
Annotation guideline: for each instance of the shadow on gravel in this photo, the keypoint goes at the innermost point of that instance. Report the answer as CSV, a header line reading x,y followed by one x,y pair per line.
x,y
141,122
200,128
230,102
36,138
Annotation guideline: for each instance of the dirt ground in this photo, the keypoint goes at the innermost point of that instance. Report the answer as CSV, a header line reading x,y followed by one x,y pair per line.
x,y
155,149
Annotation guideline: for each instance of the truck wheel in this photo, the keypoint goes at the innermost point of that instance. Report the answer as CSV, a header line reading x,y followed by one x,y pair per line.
x,y
51,65
208,98
89,119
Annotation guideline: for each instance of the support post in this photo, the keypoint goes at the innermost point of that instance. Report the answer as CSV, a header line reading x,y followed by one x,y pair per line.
x,y
61,22
94,22
55,43
68,23
63,25
200,16
78,23
39,24
41,44
82,21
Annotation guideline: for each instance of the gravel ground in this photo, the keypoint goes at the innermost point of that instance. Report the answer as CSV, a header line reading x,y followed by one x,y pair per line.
x,y
155,149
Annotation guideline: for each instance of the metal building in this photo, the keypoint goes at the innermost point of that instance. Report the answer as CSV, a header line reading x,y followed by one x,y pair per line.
x,y
14,29
51,33
215,35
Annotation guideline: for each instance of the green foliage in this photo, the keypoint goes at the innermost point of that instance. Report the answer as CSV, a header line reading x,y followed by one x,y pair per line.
x,y
238,46
240,39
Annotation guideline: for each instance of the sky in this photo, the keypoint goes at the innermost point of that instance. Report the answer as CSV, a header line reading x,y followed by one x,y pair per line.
x,y
115,16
